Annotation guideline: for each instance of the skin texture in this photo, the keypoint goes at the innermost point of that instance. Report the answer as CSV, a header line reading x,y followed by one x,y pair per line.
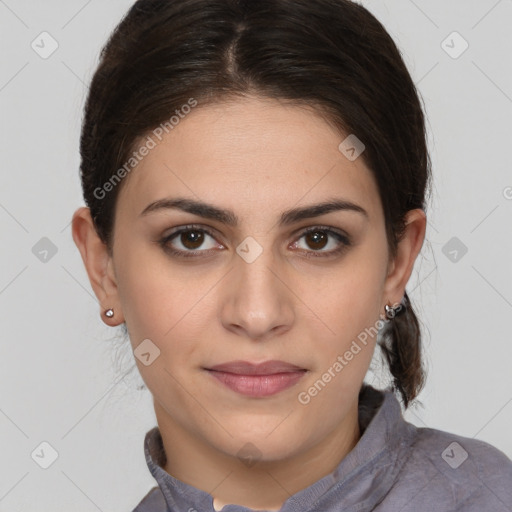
x,y
258,158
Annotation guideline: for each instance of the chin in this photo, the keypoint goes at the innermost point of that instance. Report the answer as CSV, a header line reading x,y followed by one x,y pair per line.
x,y
263,447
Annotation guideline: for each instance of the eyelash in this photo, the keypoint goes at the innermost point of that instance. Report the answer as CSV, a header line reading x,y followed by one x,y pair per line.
x,y
343,239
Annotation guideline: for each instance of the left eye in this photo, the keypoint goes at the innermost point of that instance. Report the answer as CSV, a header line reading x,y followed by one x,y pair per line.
x,y
319,238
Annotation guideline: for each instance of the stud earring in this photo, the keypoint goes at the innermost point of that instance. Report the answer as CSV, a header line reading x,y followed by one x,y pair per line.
x,y
109,313
392,312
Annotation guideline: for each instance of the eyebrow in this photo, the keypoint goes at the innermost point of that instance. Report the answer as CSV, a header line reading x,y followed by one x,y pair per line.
x,y
228,217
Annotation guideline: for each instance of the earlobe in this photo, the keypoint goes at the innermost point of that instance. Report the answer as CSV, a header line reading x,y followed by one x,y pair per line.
x,y
407,251
98,264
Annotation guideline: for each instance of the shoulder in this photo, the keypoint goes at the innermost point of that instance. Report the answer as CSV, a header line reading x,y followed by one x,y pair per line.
x,y
457,472
153,501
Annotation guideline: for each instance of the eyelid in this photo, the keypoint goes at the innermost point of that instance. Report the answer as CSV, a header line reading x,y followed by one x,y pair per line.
x,y
190,227
301,231
320,227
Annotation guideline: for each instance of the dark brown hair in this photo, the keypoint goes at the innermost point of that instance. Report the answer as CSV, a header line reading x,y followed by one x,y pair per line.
x,y
331,55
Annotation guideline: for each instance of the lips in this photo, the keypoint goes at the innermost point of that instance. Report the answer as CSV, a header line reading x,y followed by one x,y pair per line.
x,y
247,368
257,380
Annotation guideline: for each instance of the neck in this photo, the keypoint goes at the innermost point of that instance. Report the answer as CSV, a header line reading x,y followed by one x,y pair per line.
x,y
230,481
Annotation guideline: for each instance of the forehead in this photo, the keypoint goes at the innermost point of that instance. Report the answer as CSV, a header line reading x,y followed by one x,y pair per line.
x,y
251,152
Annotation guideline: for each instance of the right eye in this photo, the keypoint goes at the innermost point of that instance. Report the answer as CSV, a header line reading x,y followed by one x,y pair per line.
x,y
185,241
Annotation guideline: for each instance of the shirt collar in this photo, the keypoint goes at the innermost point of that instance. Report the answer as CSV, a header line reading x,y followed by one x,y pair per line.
x,y
361,479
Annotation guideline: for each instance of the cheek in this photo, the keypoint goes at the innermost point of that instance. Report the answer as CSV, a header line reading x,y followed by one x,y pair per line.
x,y
342,358
140,292
350,298
348,305
152,299
163,304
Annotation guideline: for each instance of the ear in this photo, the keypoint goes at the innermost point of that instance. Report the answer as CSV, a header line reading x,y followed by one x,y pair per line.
x,y
99,265
400,268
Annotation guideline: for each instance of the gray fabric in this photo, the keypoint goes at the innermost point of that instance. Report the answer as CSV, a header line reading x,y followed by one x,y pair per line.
x,y
395,467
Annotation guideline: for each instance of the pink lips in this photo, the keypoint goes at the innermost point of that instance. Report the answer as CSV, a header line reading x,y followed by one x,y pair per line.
x,y
257,380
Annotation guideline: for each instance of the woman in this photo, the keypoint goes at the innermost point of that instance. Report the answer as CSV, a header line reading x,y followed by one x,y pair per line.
x,y
256,175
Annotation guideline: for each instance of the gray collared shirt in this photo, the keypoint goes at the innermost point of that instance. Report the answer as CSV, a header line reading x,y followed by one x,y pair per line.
x,y
394,467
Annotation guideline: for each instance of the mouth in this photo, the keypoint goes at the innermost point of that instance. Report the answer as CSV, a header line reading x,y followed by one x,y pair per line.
x,y
257,380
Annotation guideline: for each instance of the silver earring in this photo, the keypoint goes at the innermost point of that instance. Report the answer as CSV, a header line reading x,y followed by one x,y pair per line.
x,y
109,313
393,311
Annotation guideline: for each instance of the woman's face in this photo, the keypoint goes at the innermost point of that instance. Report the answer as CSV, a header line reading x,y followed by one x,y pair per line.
x,y
249,284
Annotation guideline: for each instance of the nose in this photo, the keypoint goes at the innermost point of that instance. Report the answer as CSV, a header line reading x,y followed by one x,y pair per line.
x,y
258,300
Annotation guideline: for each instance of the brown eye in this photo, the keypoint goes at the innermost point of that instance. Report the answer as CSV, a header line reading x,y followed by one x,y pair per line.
x,y
192,239
316,239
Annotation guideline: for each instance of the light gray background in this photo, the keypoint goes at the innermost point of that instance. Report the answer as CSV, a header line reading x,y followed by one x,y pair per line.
x,y
60,381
